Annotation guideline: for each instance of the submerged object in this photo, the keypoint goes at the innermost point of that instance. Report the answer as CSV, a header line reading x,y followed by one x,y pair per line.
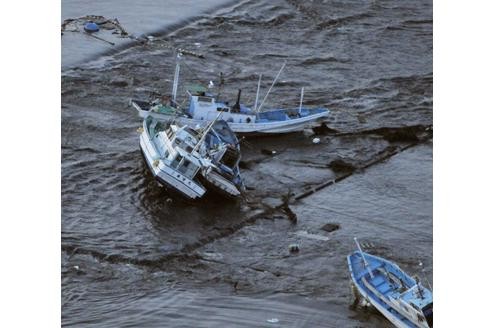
x,y
203,106
294,248
190,161
400,298
91,27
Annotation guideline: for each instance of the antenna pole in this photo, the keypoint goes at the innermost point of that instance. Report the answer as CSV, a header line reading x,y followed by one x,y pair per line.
x,y
205,132
364,259
176,77
257,94
273,83
300,102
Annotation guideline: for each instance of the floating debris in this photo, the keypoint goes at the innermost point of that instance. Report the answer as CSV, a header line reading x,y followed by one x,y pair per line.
x,y
119,82
294,248
93,23
329,227
311,236
316,141
91,27
268,152
341,166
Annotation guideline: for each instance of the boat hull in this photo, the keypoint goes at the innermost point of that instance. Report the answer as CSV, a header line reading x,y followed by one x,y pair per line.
x,y
216,183
370,288
277,127
383,310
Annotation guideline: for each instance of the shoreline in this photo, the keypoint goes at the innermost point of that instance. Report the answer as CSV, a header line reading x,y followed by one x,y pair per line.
x,y
151,19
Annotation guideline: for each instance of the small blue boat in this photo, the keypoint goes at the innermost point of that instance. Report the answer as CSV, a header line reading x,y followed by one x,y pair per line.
x,y
91,27
400,298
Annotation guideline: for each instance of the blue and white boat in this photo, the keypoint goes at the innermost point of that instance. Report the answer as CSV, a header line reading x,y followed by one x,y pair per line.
x,y
242,120
400,298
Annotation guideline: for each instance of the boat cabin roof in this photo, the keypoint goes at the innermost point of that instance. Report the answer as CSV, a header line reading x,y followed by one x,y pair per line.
x,y
196,89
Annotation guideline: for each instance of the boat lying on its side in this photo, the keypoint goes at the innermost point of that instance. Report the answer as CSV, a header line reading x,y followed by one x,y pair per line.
x,y
400,298
180,160
244,120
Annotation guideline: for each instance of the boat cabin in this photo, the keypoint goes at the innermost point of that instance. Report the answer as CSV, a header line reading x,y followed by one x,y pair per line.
x,y
175,145
204,107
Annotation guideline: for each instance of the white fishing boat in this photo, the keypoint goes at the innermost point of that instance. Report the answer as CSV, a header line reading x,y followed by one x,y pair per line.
x,y
203,106
180,160
399,297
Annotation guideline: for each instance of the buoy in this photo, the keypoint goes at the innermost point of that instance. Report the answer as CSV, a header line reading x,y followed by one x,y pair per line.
x,y
91,27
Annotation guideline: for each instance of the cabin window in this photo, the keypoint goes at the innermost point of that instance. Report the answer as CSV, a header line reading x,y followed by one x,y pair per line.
x,y
204,99
222,109
230,157
188,169
183,167
176,161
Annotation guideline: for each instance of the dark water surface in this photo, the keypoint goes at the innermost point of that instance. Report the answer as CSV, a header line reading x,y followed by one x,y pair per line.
x,y
133,257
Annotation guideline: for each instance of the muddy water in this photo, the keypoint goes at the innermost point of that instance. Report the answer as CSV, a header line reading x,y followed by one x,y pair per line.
x,y
132,256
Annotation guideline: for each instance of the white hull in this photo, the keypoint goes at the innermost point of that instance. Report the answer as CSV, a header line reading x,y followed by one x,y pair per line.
x,y
292,125
396,321
223,184
166,175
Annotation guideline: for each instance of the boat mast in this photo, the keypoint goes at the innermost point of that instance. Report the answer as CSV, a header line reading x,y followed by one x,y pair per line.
x,y
300,102
364,259
273,83
205,132
176,77
257,93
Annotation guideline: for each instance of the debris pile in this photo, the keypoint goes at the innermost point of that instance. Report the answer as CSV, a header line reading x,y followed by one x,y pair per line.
x,y
74,24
